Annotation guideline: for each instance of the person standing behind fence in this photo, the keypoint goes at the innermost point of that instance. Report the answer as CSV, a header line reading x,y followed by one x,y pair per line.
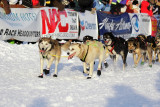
x,y
98,6
35,3
107,4
123,6
129,6
114,7
136,6
146,7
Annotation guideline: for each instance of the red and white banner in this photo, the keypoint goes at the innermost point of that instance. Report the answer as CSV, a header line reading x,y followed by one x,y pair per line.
x,y
154,23
59,24
88,24
22,24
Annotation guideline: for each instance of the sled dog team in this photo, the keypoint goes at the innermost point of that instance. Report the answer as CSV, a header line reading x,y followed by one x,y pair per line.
x,y
141,47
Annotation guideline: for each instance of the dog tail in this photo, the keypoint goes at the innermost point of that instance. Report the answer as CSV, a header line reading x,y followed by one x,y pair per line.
x,y
66,45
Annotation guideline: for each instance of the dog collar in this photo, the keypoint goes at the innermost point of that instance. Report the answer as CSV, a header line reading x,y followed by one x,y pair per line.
x,y
84,58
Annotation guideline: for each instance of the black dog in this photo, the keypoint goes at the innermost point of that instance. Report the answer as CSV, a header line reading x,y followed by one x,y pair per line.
x,y
116,46
87,38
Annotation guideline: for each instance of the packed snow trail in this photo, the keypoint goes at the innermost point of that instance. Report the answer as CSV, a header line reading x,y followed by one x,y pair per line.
x,y
20,86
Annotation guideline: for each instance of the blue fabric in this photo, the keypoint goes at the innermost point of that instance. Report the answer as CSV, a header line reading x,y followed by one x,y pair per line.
x,y
117,24
123,2
107,8
98,6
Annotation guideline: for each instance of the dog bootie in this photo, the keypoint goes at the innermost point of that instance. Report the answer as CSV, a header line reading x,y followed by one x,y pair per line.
x,y
46,71
55,75
106,65
142,63
98,72
89,77
40,76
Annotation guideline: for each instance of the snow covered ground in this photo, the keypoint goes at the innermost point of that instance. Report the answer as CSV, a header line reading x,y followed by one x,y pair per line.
x,y
20,86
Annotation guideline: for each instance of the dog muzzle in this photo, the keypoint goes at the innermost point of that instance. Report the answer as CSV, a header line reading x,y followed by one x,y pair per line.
x,y
106,42
131,51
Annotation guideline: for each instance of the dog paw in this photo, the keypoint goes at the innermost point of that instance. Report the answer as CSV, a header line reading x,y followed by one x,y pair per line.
x,y
40,76
142,63
87,69
46,71
153,61
106,65
86,73
98,72
88,77
55,75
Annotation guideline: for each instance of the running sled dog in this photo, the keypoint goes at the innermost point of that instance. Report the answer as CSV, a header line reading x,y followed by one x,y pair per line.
x,y
116,46
140,48
50,50
87,53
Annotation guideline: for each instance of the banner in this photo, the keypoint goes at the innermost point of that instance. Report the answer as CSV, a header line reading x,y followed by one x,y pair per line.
x,y
158,23
154,26
59,24
119,25
141,24
22,24
88,25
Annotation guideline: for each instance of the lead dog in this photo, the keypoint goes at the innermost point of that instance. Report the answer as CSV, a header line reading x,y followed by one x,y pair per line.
x,y
50,50
87,53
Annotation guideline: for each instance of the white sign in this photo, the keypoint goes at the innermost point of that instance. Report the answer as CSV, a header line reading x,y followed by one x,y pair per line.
x,y
88,25
141,24
21,24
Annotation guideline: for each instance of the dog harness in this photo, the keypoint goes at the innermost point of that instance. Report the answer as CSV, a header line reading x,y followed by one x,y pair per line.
x,y
112,48
84,58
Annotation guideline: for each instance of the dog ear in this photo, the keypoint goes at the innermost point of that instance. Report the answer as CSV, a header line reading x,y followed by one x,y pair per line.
x,y
40,39
135,42
79,45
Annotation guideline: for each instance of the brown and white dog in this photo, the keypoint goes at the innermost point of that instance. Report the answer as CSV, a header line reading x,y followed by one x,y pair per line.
x,y
139,46
50,50
87,53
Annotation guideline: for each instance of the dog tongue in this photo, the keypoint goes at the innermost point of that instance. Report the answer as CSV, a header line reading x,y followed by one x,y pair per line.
x,y
42,51
106,41
71,56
